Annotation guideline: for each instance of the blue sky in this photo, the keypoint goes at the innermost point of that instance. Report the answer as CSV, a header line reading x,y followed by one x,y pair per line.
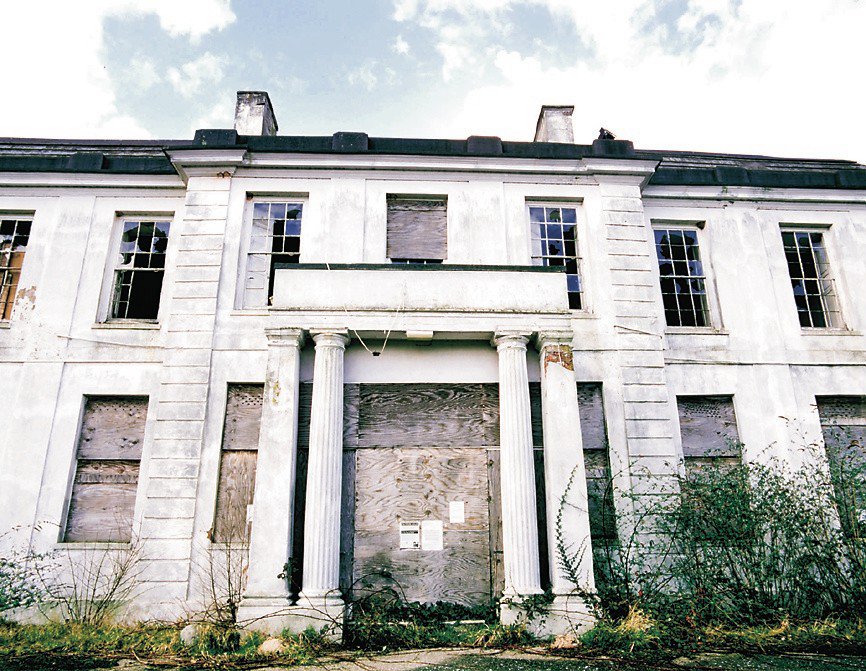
x,y
722,75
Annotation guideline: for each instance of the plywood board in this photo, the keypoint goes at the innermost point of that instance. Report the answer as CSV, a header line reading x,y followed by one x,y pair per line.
x,y
708,427
428,415
103,501
417,458
417,229
112,427
243,416
234,494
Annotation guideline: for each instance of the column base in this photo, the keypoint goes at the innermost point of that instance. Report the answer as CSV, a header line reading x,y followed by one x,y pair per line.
x,y
274,615
567,614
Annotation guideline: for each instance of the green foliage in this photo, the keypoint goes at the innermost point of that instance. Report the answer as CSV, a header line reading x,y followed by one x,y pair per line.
x,y
728,552
382,621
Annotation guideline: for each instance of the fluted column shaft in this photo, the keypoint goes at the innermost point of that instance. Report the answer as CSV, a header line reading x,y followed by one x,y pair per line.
x,y
519,514
276,465
324,472
563,463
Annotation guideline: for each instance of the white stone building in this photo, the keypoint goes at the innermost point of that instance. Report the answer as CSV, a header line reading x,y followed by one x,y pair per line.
x,y
382,359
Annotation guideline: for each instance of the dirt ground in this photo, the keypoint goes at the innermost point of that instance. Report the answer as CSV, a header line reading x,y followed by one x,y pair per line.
x,y
490,660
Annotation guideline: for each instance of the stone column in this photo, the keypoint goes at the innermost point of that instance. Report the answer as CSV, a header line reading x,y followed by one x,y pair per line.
x,y
517,468
324,474
276,465
564,470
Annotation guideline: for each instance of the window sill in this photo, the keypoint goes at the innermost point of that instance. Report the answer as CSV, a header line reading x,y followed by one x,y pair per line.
x,y
249,312
829,332
92,545
695,330
5,324
145,325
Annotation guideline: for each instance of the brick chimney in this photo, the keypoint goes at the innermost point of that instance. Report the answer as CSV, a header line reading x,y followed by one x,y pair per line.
x,y
554,124
254,114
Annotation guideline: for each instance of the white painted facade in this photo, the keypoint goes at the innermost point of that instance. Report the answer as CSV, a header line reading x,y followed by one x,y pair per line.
x,y
58,347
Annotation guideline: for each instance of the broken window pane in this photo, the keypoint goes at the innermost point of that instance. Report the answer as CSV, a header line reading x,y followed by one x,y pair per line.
x,y
275,238
14,236
681,277
554,243
140,270
811,280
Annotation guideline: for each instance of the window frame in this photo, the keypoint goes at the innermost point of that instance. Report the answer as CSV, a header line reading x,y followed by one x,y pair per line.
x,y
18,217
835,297
712,307
246,241
106,303
579,229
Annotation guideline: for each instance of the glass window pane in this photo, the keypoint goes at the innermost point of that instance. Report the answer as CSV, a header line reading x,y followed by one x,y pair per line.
x,y
569,215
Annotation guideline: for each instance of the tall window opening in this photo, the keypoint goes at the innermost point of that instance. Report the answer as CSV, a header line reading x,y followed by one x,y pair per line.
x,y
554,243
140,269
14,236
811,279
682,278
275,238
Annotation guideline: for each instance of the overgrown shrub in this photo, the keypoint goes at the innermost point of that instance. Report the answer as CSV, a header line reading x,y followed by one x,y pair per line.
x,y
751,545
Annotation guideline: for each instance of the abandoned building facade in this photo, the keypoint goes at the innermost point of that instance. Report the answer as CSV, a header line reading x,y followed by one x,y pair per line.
x,y
369,362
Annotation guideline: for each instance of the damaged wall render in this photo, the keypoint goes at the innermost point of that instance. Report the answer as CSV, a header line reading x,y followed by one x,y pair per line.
x,y
367,361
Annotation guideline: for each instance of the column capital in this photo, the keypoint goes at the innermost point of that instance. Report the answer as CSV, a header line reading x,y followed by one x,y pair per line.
x,y
511,339
283,337
553,339
330,337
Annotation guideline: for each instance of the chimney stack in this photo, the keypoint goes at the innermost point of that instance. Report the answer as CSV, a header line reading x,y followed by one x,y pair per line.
x,y
254,114
554,124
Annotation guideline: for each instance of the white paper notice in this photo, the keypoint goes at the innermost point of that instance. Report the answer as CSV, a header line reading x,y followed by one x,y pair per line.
x,y
431,535
456,512
410,535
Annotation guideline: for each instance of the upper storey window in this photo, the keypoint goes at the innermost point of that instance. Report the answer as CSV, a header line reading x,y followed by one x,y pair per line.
x,y
811,279
14,235
275,238
554,243
682,278
140,269
417,229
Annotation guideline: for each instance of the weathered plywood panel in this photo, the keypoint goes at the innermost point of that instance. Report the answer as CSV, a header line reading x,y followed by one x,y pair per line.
x,y
237,482
602,515
428,415
103,501
112,427
417,229
843,423
305,404
394,485
243,416
708,426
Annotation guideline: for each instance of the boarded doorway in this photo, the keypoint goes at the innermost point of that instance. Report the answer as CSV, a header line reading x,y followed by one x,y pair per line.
x,y
422,454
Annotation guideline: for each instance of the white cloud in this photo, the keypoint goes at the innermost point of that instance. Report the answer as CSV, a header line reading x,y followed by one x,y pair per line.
x,y
53,62
141,74
364,75
192,77
724,76
400,46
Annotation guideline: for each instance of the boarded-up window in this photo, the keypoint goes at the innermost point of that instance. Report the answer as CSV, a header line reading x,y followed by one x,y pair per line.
x,y
709,434
602,516
417,229
599,484
843,423
237,478
106,475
